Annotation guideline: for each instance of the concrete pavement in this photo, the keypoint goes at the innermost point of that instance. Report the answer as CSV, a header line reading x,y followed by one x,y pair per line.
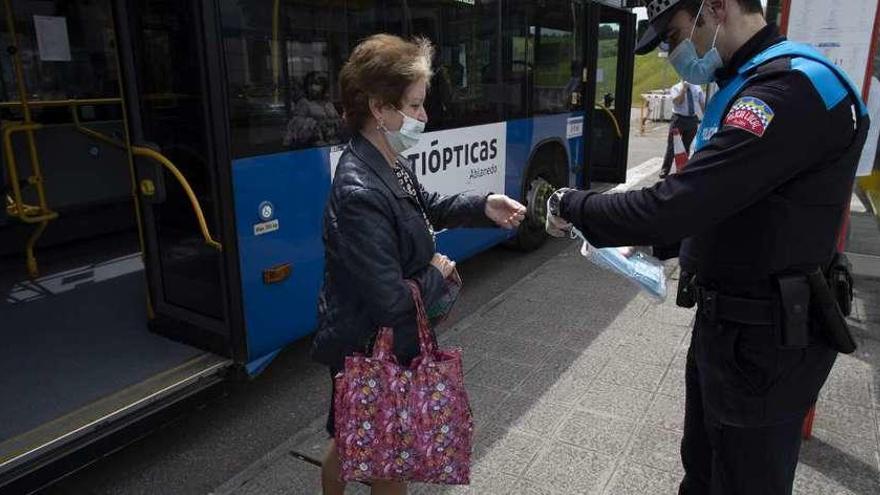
x,y
577,384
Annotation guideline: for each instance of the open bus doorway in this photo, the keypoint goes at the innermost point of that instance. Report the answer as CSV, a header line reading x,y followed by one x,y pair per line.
x,y
90,332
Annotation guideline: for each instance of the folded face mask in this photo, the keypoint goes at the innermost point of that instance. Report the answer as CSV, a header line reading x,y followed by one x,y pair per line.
x,y
441,309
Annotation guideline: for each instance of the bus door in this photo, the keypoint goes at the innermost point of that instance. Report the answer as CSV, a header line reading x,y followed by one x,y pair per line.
x,y
610,59
168,57
94,254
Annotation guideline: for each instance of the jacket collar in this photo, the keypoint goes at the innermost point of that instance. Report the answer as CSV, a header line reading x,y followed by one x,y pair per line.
x,y
364,149
762,40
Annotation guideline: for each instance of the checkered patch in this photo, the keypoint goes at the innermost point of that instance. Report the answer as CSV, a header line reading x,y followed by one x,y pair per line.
x,y
750,114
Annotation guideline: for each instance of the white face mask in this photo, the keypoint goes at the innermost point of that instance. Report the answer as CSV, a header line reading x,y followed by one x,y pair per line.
x,y
690,66
408,135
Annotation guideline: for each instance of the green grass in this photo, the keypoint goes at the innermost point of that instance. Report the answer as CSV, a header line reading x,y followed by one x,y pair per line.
x,y
651,72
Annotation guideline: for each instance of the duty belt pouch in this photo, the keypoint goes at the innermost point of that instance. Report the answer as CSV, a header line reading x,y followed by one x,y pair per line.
x,y
686,296
794,293
831,319
841,282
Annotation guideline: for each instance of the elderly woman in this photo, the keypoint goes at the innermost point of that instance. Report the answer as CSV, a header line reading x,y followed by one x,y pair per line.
x,y
379,222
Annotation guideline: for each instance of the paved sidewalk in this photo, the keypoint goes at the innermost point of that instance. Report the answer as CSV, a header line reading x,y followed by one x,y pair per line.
x,y
577,386
577,382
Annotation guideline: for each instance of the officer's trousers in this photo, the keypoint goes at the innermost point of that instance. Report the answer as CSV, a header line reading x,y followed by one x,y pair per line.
x,y
744,409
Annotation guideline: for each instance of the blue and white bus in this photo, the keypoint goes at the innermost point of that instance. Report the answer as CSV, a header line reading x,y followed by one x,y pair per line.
x,y
166,163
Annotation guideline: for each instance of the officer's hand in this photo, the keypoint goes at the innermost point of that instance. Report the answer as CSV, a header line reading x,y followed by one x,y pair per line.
x,y
556,226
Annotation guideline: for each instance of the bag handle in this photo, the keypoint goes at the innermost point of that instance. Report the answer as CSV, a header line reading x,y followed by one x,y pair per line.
x,y
427,345
383,348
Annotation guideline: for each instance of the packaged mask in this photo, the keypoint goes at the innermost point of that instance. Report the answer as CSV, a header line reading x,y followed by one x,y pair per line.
x,y
646,272
441,309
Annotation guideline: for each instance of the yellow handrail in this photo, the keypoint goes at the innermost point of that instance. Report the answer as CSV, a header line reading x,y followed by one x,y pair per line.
x,y
168,164
871,186
93,134
194,201
73,102
19,209
36,179
613,119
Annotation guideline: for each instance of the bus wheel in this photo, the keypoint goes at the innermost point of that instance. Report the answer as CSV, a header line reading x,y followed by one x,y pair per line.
x,y
540,185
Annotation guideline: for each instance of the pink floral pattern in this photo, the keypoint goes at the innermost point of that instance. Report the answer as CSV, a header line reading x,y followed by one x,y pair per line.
x,y
404,423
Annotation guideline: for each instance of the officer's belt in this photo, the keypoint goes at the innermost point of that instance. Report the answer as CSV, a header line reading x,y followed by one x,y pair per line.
x,y
716,306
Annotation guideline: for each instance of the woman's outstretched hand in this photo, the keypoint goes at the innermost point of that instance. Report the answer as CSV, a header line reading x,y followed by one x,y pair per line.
x,y
505,212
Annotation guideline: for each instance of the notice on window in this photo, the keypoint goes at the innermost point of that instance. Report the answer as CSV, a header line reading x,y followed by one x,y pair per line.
x,y
52,40
841,31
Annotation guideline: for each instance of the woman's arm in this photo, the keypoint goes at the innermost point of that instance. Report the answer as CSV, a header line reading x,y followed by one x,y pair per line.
x,y
367,251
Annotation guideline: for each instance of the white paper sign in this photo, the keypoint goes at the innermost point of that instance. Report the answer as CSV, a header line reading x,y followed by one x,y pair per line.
x,y
840,30
52,40
574,127
335,155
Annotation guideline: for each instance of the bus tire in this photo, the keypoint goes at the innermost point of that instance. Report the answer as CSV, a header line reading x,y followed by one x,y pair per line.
x,y
545,175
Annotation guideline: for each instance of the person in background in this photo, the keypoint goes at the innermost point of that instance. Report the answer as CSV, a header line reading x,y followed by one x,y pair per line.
x,y
379,221
688,102
314,120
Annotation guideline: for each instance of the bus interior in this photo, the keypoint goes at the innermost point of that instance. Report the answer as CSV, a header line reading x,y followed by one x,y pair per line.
x,y
79,344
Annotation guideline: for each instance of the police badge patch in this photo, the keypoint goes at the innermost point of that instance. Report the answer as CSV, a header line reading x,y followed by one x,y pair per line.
x,y
750,114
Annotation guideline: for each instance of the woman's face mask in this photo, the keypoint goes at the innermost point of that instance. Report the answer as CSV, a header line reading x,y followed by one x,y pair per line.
x,y
408,136
690,66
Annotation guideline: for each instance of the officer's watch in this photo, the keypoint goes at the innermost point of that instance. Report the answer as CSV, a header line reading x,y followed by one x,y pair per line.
x,y
555,201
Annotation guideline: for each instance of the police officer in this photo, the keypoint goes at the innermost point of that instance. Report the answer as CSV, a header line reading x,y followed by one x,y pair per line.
x,y
758,207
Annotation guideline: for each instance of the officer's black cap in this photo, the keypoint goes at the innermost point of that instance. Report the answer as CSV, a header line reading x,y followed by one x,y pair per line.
x,y
660,12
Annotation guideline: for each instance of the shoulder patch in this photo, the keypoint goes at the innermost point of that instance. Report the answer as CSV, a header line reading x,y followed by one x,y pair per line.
x,y
750,114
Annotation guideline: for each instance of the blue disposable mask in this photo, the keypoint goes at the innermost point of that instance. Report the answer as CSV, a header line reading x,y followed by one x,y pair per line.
x,y
408,135
690,66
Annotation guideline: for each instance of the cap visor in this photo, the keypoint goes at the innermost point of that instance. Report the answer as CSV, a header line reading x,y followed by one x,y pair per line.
x,y
649,41
651,38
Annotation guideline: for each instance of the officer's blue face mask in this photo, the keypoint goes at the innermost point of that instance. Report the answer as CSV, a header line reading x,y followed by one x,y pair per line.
x,y
690,66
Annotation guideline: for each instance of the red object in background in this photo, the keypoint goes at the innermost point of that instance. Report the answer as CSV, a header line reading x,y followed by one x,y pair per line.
x,y
679,152
807,431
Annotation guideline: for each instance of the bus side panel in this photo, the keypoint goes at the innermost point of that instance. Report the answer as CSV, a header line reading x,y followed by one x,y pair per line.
x,y
525,135
519,148
461,244
295,186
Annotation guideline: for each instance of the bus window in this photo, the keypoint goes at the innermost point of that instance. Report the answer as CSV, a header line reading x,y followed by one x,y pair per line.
x,y
557,54
517,59
606,78
463,91
283,67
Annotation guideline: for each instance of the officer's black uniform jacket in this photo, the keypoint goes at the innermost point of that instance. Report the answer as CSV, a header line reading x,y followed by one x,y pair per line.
x,y
747,207
375,237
